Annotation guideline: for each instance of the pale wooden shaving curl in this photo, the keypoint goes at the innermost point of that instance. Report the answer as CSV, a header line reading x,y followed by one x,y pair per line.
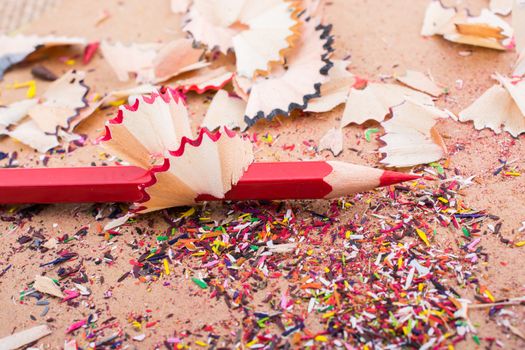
x,y
421,82
152,62
258,31
335,91
25,337
180,6
204,79
38,122
47,285
156,130
501,7
15,49
61,102
437,19
375,100
209,168
287,89
486,30
501,107
518,23
225,110
15,112
28,133
411,137
145,135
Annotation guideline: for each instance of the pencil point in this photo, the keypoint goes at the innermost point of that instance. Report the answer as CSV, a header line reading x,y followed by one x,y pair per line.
x,y
394,177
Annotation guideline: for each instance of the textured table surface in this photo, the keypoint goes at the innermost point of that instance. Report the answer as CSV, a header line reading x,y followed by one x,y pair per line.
x,y
17,13
383,38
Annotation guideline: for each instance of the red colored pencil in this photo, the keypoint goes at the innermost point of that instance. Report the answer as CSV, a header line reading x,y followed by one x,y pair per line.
x,y
271,181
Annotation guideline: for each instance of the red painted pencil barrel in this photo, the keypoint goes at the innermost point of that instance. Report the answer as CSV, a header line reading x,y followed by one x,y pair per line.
x,y
271,181
283,180
71,185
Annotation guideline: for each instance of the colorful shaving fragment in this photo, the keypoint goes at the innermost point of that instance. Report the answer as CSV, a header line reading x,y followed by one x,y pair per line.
x,y
369,132
373,258
30,85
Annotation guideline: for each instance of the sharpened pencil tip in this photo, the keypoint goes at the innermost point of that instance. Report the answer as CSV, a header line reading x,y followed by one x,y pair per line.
x,y
393,177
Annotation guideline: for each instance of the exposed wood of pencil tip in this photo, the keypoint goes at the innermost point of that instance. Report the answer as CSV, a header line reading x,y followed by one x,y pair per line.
x,y
347,178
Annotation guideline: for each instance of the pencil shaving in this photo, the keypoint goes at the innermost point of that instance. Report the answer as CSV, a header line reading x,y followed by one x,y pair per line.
x,y
501,7
15,112
37,122
16,49
225,110
499,108
180,6
155,134
28,133
61,103
411,137
286,89
518,23
204,79
48,286
258,32
375,100
143,133
209,164
335,90
152,62
421,82
486,30
177,57
25,337
130,59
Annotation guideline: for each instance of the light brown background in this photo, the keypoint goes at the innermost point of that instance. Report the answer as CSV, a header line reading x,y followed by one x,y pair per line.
x,y
382,36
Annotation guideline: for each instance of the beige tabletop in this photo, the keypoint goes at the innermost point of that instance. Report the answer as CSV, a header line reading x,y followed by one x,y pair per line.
x,y
383,38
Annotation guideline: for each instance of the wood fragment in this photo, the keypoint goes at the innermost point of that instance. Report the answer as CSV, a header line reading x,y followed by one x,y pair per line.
x,y
48,286
499,108
28,336
421,82
518,23
486,30
501,7
335,91
332,141
374,102
410,136
225,110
